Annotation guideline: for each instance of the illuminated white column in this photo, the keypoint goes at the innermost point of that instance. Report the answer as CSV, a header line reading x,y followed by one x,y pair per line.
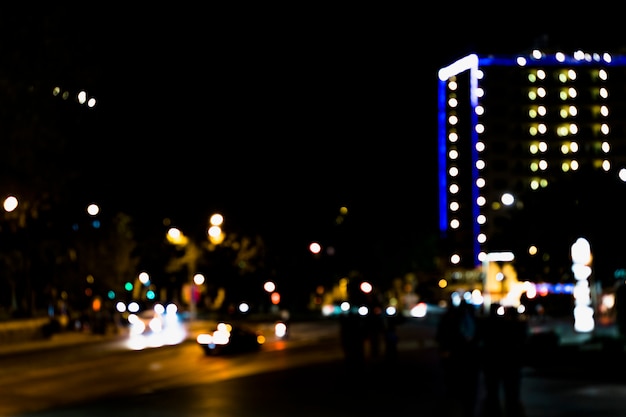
x,y
581,261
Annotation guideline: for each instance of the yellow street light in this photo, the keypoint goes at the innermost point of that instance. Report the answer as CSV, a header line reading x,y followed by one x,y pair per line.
x,y
216,219
176,237
10,203
215,233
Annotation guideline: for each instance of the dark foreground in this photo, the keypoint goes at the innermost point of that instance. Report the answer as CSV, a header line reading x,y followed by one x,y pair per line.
x,y
410,387
579,380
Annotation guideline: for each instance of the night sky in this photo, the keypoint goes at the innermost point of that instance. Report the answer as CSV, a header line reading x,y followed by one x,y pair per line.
x,y
275,117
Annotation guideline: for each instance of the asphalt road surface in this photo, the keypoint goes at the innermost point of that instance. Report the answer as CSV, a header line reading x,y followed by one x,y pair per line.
x,y
303,376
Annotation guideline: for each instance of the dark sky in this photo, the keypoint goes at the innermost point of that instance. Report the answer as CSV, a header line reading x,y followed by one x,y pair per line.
x,y
270,114
287,117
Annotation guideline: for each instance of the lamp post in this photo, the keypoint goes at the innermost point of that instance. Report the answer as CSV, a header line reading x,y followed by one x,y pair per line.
x,y
9,204
214,232
192,253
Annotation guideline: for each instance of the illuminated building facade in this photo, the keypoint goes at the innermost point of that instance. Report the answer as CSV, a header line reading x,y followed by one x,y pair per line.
x,y
516,125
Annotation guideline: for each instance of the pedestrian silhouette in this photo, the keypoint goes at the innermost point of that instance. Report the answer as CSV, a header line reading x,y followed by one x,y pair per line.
x,y
352,335
391,336
503,335
459,357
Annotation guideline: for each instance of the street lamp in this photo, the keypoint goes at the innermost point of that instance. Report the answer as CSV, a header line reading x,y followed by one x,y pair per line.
x,y
10,204
193,252
176,237
215,233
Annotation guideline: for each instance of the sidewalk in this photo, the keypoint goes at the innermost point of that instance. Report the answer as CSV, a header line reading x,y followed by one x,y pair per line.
x,y
567,335
57,340
69,338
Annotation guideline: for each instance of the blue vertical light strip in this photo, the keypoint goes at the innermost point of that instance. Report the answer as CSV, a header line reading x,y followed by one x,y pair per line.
x,y
467,63
473,72
463,64
442,156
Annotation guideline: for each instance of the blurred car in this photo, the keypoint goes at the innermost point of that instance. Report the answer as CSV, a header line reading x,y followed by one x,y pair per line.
x,y
228,338
152,320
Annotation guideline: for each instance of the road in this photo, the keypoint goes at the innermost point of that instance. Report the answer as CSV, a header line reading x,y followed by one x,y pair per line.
x,y
36,381
303,376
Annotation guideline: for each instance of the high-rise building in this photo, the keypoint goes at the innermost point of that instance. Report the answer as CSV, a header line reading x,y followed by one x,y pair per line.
x,y
527,135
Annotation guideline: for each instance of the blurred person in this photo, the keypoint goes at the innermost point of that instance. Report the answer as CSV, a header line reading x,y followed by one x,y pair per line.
x,y
353,328
352,334
391,336
503,334
457,342
375,326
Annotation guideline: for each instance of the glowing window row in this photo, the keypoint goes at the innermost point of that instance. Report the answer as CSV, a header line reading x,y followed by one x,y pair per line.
x,y
537,111
565,147
561,130
566,75
568,93
568,165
